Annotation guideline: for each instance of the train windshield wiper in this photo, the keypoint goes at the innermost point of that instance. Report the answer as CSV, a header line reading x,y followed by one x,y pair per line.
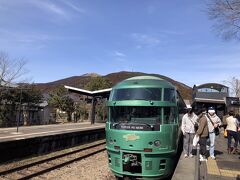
x,y
117,123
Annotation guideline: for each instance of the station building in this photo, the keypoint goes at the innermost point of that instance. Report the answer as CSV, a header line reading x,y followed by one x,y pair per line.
x,y
214,95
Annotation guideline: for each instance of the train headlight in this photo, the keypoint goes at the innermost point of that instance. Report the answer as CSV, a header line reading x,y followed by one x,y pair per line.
x,y
111,141
157,143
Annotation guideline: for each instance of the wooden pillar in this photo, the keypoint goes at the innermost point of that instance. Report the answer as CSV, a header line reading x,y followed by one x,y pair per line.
x,y
93,110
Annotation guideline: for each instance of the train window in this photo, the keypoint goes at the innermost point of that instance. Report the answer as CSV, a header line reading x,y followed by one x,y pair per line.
x,y
170,115
135,114
169,94
137,94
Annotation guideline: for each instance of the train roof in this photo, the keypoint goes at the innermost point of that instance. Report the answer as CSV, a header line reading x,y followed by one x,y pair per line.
x,y
143,81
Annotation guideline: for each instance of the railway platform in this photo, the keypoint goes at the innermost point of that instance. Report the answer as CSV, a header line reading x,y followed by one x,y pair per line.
x,y
37,140
226,166
25,132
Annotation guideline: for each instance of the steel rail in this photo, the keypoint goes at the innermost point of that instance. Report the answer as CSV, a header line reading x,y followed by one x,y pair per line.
x,y
16,169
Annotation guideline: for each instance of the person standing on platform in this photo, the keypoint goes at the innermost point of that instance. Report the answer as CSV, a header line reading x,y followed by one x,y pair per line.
x,y
232,128
202,132
238,120
213,122
188,122
224,122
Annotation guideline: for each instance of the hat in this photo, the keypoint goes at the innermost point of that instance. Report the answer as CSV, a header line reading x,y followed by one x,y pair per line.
x,y
211,110
189,106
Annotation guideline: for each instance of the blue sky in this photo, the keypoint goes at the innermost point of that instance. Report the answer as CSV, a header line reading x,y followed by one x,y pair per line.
x,y
62,38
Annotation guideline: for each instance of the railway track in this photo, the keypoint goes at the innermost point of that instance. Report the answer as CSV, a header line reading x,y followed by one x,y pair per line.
x,y
39,167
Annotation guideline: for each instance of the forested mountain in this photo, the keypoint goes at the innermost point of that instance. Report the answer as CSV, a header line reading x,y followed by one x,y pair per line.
x,y
81,81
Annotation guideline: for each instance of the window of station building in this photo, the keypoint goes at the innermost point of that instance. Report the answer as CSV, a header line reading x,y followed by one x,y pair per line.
x,y
224,90
169,115
212,89
154,94
169,94
208,90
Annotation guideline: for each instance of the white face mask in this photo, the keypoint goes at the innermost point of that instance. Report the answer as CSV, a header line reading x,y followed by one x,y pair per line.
x,y
211,114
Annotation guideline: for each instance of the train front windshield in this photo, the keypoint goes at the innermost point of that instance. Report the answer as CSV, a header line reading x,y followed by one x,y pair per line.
x,y
131,114
141,117
154,94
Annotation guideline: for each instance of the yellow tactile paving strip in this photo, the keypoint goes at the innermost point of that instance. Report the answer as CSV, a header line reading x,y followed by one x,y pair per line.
x,y
213,169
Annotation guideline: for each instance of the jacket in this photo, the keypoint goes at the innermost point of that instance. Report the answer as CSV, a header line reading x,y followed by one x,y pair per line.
x,y
232,123
188,123
215,119
203,127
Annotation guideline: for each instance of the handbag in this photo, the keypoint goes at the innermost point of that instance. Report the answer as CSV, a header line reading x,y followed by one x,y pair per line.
x,y
195,125
195,140
216,129
225,133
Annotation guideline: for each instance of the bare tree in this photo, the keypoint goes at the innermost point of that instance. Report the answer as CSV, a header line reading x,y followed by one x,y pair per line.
x,y
11,70
234,85
226,14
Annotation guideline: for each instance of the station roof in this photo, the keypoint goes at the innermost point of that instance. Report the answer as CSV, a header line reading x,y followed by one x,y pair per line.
x,y
206,100
211,85
103,92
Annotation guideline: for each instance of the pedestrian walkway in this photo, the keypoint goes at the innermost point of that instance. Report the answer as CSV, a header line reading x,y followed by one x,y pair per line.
x,y
226,166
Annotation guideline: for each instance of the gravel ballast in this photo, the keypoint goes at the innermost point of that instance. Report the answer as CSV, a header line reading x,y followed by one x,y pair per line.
x,y
92,168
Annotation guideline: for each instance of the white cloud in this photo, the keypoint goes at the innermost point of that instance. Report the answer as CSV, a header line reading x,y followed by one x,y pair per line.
x,y
172,32
119,54
19,40
74,7
31,39
146,39
51,8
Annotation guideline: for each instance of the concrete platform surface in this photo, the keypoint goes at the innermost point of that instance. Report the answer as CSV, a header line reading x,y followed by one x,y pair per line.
x,y
185,168
226,166
24,132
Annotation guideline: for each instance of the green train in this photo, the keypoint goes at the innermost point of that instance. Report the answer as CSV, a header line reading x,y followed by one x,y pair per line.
x,y
143,127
